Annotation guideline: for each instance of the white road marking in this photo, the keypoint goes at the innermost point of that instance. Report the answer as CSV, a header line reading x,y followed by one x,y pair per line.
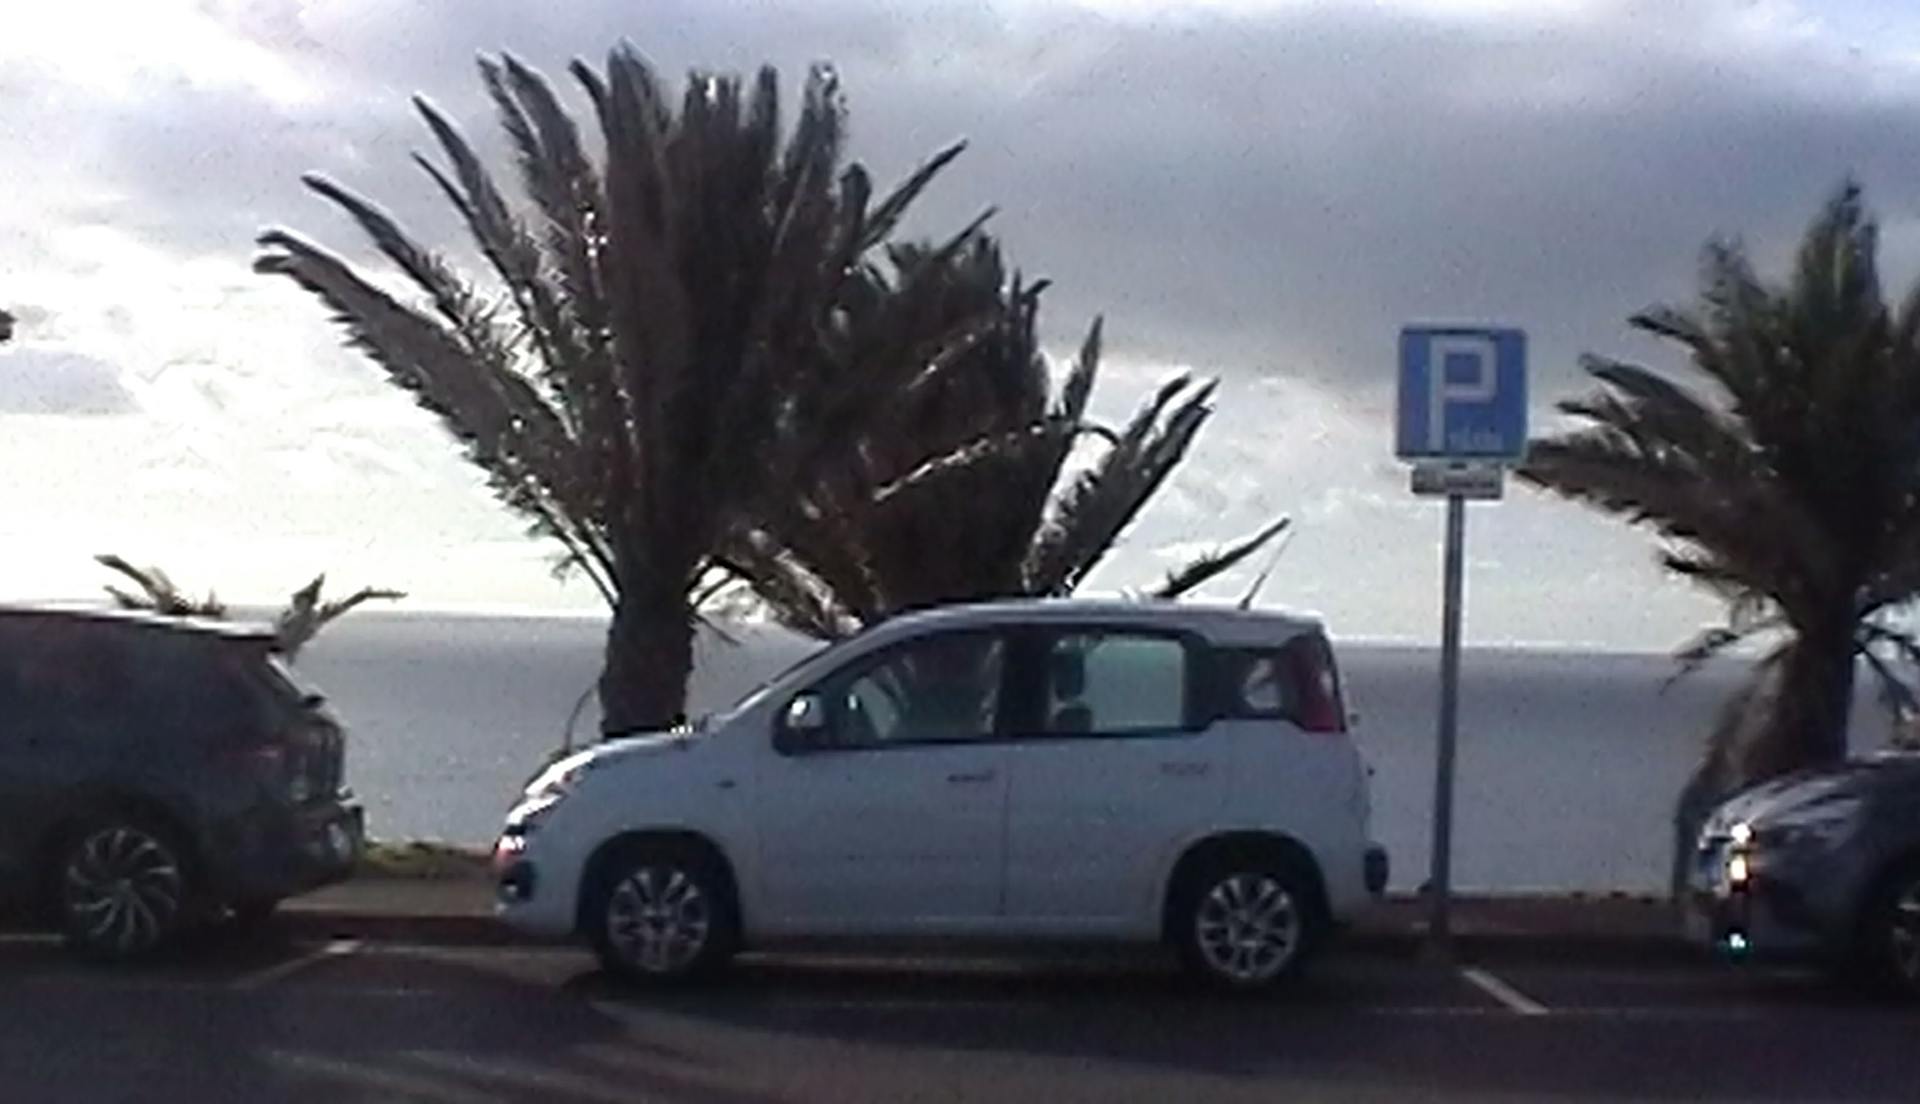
x,y
280,971
1516,1001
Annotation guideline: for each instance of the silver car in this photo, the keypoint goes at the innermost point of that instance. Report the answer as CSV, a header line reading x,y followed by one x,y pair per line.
x,y
1822,863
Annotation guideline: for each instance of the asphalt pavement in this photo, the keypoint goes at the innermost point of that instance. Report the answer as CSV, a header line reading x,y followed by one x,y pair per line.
x,y
286,1019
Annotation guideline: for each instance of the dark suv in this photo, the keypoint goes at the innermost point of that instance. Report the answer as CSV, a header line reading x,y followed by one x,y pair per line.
x,y
158,771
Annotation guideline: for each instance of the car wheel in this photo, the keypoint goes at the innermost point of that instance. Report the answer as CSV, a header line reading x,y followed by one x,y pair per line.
x,y
663,914
1247,925
1892,933
122,887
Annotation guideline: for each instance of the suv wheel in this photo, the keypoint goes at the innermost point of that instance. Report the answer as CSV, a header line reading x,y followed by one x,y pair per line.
x,y
662,913
1246,924
1892,933
121,887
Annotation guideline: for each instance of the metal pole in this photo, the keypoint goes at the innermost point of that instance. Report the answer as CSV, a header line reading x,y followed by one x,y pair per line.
x,y
1439,885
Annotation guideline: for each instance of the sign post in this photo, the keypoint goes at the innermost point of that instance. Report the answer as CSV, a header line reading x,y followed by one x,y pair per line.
x,y
1462,421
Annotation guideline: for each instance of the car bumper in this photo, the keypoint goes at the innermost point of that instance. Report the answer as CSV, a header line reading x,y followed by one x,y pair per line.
x,y
280,852
532,894
1376,869
1759,915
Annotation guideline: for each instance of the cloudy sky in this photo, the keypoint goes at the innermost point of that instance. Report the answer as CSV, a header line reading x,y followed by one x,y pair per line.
x,y
1262,191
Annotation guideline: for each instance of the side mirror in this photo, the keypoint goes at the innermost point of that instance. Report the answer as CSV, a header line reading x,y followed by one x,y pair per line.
x,y
802,724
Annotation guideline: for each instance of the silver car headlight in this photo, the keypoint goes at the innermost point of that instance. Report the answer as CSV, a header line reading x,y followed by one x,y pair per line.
x,y
560,777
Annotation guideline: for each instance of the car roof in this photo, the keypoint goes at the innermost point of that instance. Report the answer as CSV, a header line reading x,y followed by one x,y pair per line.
x,y
1220,624
238,632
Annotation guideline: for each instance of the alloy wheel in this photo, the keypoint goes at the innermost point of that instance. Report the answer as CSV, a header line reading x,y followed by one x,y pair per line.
x,y
1248,928
659,919
123,888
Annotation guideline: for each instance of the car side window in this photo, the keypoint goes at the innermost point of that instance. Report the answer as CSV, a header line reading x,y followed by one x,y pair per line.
x,y
938,689
1293,682
1115,683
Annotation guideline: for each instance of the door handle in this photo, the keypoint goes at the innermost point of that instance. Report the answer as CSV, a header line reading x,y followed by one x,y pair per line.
x,y
1183,769
964,778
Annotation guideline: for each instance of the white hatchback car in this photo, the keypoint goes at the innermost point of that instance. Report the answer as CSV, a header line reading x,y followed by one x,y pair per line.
x,y
1023,770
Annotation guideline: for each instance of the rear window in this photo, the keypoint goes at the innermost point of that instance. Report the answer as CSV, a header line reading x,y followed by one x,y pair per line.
x,y
1294,682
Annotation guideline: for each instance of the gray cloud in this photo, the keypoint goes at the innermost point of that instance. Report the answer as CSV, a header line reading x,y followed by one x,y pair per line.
x,y
1266,195
1268,192
56,381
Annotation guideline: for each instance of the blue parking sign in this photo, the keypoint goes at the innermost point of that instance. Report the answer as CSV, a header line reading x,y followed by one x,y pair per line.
x,y
1463,393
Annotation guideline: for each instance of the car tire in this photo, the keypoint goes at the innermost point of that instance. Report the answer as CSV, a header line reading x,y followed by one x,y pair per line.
x,y
121,885
1888,950
662,913
1246,923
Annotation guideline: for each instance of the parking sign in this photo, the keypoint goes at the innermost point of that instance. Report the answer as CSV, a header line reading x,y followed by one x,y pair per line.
x,y
1463,394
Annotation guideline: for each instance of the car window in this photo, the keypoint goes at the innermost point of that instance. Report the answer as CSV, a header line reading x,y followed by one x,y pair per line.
x,y
1293,682
938,689
1115,683
64,680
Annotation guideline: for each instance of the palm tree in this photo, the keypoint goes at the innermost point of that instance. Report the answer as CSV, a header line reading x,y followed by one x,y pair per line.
x,y
293,627
158,593
673,342
1791,489
956,493
305,614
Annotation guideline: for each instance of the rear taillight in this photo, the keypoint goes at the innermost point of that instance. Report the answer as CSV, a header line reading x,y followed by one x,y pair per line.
x,y
1309,666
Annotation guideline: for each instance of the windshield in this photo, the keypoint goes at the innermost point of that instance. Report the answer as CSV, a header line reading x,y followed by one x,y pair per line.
x,y
760,690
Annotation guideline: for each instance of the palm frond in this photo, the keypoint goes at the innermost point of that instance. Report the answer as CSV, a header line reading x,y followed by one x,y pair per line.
x,y
1218,561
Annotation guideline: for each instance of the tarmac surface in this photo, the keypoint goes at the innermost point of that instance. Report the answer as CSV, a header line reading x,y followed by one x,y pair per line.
x,y
285,1016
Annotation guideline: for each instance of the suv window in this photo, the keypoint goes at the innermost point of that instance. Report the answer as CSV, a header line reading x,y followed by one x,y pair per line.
x,y
1293,682
938,689
62,680
1116,683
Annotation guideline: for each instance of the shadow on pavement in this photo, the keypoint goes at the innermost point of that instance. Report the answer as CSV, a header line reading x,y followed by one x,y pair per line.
x,y
1354,1027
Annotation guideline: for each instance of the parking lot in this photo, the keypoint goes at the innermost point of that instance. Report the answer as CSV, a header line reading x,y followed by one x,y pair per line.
x,y
347,1020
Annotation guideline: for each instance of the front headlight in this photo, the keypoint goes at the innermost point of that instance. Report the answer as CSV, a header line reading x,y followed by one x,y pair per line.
x,y
560,777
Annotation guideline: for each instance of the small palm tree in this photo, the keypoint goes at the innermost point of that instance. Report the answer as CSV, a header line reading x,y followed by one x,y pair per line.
x,y
1791,489
956,493
294,626
673,346
305,614
158,593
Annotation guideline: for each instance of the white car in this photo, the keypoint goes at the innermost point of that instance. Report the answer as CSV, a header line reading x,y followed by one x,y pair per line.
x,y
1022,770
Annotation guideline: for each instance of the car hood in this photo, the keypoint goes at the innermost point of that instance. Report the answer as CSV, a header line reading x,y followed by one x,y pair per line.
x,y
1811,794
640,745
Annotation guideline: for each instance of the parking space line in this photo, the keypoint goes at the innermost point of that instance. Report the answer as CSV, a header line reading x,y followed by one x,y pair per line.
x,y
280,971
1516,1001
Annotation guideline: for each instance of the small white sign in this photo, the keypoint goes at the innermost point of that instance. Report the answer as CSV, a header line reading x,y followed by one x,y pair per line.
x,y
1478,481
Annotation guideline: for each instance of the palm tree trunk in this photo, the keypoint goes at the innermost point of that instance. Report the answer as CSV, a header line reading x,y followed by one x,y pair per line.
x,y
643,686
1808,724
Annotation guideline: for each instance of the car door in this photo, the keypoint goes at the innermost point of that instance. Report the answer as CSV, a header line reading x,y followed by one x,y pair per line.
x,y
892,817
45,674
1113,768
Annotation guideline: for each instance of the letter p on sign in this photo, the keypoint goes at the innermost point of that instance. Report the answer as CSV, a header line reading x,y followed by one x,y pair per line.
x,y
1463,394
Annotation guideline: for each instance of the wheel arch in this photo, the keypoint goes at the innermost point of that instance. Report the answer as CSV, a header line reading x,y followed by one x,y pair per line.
x,y
1879,880
612,848
86,806
1242,844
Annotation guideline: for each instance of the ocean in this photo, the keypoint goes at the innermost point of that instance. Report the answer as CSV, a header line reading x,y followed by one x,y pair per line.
x,y
1568,761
